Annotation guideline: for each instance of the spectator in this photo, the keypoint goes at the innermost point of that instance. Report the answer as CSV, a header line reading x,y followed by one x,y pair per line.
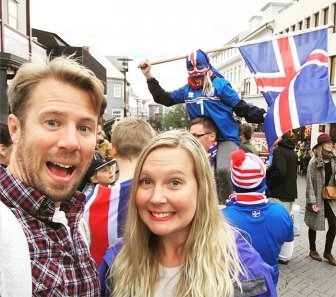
x,y
245,134
55,109
321,172
105,210
209,94
6,145
206,132
176,243
267,224
305,161
100,172
282,174
103,145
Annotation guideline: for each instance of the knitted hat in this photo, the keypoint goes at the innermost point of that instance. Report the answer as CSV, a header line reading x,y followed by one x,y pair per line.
x,y
248,172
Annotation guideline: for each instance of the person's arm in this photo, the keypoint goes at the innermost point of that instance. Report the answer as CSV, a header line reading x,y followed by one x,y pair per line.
x,y
286,251
279,168
251,113
258,279
159,94
310,192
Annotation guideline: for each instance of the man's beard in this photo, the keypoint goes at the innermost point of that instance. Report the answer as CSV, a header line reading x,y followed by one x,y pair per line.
x,y
29,173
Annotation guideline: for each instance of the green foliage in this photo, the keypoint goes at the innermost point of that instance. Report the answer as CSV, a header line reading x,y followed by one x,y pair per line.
x,y
156,124
176,118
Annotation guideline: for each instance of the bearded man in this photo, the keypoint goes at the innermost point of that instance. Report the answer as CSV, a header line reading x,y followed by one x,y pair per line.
x,y
55,109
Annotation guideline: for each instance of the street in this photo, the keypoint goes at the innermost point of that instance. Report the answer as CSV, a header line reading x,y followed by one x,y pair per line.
x,y
304,276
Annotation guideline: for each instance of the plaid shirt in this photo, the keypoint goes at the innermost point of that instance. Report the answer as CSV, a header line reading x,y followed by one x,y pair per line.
x,y
59,268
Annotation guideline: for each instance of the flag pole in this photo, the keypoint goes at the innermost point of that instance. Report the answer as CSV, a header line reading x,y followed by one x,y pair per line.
x,y
219,49
225,47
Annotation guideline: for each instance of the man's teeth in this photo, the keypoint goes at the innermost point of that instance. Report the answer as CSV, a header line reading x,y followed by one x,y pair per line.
x,y
162,214
62,165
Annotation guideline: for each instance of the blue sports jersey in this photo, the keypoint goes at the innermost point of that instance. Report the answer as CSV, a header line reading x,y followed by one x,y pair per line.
x,y
217,106
268,226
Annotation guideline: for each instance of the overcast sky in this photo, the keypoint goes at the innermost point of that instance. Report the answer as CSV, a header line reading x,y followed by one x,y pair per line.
x,y
140,29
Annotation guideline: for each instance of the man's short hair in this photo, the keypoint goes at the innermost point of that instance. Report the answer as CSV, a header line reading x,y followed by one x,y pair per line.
x,y
65,69
207,123
129,136
246,130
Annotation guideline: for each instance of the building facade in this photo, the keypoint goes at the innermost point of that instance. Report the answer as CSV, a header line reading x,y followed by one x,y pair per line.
x,y
17,45
277,17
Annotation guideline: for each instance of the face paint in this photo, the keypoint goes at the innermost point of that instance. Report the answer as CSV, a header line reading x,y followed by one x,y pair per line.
x,y
197,63
196,82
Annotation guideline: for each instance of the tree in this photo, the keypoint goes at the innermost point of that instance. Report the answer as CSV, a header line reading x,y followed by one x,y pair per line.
x,y
176,118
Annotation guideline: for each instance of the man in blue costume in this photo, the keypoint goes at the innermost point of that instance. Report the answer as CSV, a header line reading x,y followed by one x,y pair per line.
x,y
209,94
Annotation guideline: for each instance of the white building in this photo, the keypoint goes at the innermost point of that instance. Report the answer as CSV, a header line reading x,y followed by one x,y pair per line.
x,y
278,17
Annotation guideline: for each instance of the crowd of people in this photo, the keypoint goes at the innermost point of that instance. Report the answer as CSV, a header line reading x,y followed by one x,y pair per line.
x,y
179,213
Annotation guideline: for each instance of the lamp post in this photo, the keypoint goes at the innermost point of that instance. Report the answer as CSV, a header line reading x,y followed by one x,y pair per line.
x,y
137,99
124,63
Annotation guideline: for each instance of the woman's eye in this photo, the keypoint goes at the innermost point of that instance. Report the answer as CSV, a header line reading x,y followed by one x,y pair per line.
x,y
175,183
145,181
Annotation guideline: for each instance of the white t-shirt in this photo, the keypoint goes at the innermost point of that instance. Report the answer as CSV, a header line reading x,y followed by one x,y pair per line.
x,y
60,217
169,278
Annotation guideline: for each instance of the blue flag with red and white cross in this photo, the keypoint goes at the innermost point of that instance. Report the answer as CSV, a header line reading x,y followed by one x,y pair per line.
x,y
291,71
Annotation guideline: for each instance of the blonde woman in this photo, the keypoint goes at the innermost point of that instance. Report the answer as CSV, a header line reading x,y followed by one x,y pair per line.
x,y
176,243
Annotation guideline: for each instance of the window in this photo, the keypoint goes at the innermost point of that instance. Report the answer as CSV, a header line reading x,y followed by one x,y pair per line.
x,y
117,90
13,14
307,22
300,25
247,86
334,20
316,19
293,28
333,70
326,16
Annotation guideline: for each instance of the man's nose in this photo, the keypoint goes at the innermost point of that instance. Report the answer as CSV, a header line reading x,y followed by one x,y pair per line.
x,y
69,139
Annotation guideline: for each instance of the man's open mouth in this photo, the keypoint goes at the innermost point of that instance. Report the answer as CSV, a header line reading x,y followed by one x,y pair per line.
x,y
61,170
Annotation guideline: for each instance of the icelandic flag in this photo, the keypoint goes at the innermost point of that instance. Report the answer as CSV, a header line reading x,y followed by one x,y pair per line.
x,y
105,213
291,71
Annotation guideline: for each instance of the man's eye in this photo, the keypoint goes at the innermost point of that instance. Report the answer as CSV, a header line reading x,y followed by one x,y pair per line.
x,y
84,128
52,123
190,67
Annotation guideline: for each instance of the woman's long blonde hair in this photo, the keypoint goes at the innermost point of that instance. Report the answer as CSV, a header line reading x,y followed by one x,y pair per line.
x,y
210,264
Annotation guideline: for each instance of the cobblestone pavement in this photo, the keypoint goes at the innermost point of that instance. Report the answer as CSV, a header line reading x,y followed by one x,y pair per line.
x,y
304,276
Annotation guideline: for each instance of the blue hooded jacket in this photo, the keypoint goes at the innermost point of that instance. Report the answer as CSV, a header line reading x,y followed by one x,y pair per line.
x,y
257,282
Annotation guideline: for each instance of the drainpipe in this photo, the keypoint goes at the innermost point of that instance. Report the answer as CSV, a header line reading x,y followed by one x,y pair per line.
x,y
29,31
1,29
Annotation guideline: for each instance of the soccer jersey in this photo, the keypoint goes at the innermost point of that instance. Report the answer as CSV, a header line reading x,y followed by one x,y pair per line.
x,y
105,213
217,106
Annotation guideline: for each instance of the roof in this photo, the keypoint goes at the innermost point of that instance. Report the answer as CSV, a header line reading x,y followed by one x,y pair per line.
x,y
111,70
